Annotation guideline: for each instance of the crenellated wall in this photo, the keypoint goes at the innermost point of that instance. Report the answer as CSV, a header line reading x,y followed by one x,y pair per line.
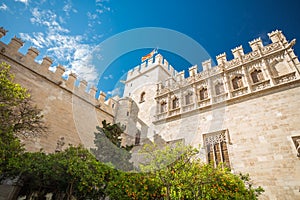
x,y
149,65
69,111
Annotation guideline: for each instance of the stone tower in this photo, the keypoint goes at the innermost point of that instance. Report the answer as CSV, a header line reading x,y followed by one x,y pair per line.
x,y
136,110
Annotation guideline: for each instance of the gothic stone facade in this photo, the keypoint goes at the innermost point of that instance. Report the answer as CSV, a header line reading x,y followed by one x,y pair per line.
x,y
243,112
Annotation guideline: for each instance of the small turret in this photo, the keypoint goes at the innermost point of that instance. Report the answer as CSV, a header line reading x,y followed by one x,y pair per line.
x,y
221,58
15,44
32,53
238,52
206,65
2,32
256,44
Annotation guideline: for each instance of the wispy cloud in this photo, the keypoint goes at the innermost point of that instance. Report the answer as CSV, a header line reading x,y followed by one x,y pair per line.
x,y
108,77
3,7
115,92
23,1
66,49
69,8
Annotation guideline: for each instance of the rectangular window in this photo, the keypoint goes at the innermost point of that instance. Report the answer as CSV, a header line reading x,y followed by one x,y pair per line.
x,y
216,147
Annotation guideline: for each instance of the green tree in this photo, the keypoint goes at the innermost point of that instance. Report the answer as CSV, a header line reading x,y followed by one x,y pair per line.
x,y
18,118
74,172
108,147
184,176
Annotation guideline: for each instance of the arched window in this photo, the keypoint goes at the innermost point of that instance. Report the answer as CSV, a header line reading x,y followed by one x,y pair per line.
x,y
219,88
163,107
188,98
137,138
257,76
142,97
237,82
203,94
175,103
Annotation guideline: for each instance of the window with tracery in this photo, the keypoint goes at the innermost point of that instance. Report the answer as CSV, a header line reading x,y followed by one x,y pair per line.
x,y
257,76
175,103
142,97
237,82
203,94
219,88
216,148
163,107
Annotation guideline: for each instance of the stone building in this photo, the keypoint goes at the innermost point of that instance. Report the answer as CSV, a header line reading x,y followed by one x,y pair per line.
x,y
243,112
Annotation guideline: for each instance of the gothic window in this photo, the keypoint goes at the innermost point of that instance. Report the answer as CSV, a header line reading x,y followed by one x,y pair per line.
x,y
175,103
216,148
137,138
163,107
296,140
257,76
142,97
237,82
203,94
219,88
188,98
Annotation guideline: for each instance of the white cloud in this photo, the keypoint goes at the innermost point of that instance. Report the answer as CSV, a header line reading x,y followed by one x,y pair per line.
x,y
3,7
47,18
115,92
65,49
68,7
23,1
108,77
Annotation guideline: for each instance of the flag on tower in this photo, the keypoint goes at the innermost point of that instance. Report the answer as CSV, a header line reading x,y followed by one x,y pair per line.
x,y
149,55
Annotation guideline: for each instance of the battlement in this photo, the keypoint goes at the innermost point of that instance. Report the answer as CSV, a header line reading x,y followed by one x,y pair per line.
x,y
10,52
278,43
149,64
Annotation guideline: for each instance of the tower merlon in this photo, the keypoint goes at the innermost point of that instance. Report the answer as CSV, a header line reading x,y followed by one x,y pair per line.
x,y
102,97
238,51
93,91
158,59
180,76
2,32
60,70
46,63
206,65
83,86
32,53
221,58
277,36
256,44
72,77
193,70
15,44
166,63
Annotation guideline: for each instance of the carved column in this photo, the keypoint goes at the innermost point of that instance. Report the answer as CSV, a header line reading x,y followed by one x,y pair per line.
x,y
194,95
267,71
247,78
227,86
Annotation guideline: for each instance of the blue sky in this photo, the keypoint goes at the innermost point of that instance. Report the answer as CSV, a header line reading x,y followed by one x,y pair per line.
x,y
72,32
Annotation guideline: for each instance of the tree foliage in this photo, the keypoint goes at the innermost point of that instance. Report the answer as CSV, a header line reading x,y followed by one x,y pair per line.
x,y
184,176
108,147
18,118
74,172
